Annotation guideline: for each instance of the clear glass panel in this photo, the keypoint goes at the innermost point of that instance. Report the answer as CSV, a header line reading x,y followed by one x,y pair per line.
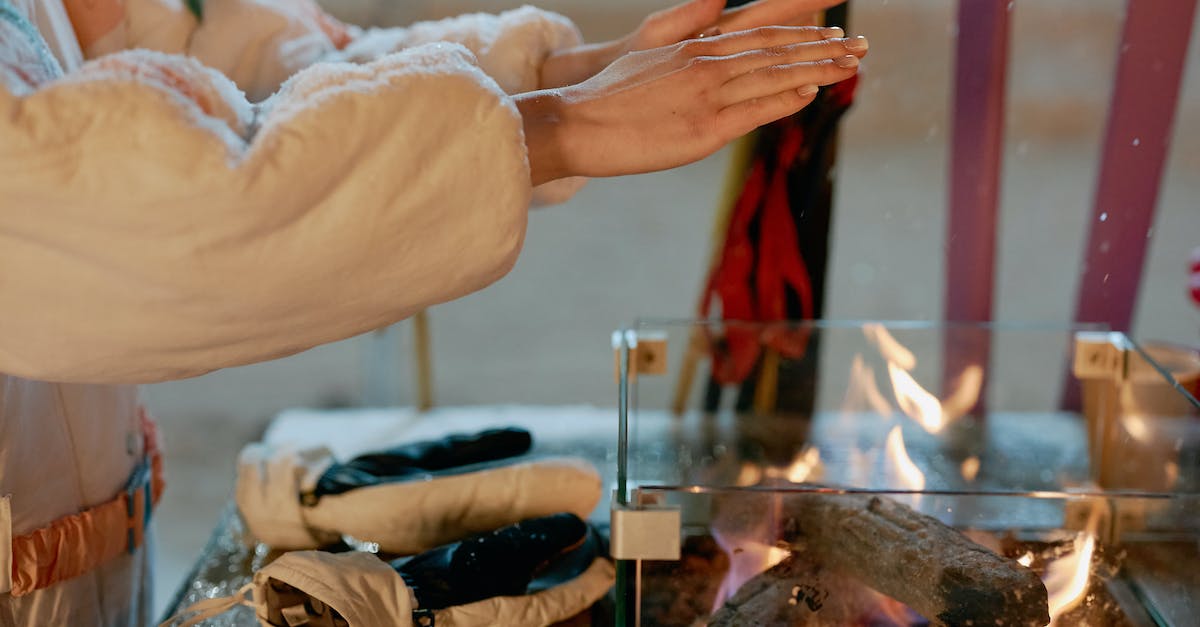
x,y
999,431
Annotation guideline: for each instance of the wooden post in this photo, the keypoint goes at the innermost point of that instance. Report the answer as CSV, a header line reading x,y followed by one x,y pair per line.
x,y
423,361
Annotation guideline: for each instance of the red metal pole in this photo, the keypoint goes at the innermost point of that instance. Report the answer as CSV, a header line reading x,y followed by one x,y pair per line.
x,y
1154,45
981,63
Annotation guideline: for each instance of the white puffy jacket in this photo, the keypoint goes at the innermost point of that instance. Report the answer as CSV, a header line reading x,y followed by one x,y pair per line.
x,y
155,224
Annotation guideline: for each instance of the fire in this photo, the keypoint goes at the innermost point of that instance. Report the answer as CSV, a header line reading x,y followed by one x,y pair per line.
x,y
906,471
747,559
805,466
1067,577
1026,559
970,468
750,474
891,349
1136,427
862,392
915,401
967,389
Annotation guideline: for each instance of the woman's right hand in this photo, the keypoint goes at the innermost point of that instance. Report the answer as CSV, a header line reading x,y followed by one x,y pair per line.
x,y
665,107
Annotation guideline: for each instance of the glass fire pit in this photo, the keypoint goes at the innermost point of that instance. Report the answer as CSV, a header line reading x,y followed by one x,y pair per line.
x,y
904,474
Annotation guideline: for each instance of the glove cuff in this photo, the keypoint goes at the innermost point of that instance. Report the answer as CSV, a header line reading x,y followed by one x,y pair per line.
x,y
269,484
361,587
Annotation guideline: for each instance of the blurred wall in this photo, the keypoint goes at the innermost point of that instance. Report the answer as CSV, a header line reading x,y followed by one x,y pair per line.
x,y
633,246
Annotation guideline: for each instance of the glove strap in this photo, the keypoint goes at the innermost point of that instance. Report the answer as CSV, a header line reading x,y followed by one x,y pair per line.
x,y
424,618
208,608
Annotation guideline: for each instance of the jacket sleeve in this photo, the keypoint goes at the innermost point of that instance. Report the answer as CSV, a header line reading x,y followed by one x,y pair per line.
x,y
155,225
511,46
260,43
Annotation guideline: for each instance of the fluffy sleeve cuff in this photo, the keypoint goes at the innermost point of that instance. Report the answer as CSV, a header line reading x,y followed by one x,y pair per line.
x,y
511,46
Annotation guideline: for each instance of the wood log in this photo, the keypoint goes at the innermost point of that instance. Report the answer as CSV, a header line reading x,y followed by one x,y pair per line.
x,y
915,559
798,593
848,547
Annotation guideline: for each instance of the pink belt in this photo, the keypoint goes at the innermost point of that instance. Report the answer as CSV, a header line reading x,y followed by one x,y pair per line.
x,y
76,544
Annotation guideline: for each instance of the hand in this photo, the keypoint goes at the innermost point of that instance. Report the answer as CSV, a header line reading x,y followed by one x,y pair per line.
x,y
670,106
408,498
697,18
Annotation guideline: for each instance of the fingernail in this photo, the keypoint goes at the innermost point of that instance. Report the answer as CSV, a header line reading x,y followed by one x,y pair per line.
x,y
712,32
807,90
856,44
847,61
833,32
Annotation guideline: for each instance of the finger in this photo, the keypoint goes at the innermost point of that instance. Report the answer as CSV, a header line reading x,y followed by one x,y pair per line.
x,y
681,21
768,12
746,62
773,79
759,38
741,118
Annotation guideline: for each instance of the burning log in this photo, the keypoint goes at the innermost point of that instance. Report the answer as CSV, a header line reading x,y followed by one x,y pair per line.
x,y
913,558
796,592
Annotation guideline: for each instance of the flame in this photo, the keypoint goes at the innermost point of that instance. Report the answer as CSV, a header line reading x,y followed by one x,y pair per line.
x,y
1067,577
891,349
1136,426
915,401
750,474
1171,469
863,392
966,392
970,468
906,471
806,465
746,560
1026,559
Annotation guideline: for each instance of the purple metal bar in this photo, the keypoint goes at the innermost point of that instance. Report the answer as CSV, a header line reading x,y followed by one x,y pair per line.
x,y
1154,45
981,63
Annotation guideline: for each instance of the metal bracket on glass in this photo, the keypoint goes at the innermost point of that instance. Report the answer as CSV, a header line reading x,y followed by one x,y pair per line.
x,y
646,532
647,353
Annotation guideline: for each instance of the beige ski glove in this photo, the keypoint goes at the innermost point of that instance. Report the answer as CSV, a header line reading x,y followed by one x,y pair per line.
x,y
408,498
534,573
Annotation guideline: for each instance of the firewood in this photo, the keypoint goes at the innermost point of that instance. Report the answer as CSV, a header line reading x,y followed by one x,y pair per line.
x,y
798,593
895,550
913,558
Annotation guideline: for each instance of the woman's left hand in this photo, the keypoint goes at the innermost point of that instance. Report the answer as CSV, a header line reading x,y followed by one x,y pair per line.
x,y
696,18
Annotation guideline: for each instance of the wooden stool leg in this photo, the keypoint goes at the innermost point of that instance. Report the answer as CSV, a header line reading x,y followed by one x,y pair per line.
x,y
423,361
